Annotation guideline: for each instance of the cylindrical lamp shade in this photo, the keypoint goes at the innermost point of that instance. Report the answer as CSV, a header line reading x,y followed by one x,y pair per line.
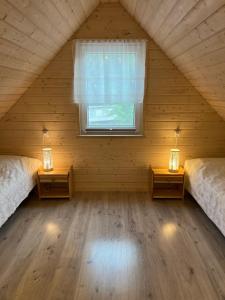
x,y
174,162
47,159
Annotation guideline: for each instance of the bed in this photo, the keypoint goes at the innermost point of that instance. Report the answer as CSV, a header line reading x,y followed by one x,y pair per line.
x,y
205,181
17,179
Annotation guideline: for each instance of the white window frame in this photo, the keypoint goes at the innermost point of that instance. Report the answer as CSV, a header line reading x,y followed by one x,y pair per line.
x,y
137,131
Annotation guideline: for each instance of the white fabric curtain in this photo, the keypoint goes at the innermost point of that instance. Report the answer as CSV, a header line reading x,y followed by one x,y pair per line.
x,y
109,71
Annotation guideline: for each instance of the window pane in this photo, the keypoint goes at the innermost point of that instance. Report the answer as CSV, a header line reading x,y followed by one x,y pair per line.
x,y
121,116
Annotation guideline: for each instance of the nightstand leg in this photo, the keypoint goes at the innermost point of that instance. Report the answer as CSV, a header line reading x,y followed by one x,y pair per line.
x,y
38,187
70,184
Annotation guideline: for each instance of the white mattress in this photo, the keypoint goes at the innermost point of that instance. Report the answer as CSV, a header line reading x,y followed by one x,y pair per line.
x,y
205,180
17,179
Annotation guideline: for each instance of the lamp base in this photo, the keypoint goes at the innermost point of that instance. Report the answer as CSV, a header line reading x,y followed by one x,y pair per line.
x,y
48,170
173,171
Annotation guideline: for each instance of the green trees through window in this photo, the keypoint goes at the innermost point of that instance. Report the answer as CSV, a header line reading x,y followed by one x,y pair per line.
x,y
114,116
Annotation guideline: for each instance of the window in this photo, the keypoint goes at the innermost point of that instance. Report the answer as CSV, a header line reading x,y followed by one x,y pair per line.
x,y
109,86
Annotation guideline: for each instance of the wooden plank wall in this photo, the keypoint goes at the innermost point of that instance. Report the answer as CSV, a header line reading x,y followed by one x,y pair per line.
x,y
113,163
31,34
192,34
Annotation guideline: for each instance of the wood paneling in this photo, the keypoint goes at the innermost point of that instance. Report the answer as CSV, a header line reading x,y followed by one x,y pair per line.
x,y
111,246
192,34
31,33
113,163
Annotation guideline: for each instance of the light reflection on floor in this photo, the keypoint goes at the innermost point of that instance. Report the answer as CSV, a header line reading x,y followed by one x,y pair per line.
x,y
115,255
52,228
111,264
169,230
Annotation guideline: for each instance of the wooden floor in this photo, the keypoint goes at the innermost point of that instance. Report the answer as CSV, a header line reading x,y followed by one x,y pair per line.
x,y
111,246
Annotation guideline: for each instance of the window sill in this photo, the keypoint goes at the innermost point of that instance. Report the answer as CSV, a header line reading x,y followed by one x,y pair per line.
x,y
110,135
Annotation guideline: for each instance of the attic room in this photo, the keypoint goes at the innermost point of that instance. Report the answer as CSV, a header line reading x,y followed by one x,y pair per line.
x,y
112,149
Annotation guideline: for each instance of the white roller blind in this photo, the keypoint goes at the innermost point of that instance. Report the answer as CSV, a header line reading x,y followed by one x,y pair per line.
x,y
109,71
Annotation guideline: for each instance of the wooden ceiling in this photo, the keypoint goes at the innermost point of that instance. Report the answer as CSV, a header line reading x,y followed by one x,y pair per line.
x,y
31,33
191,33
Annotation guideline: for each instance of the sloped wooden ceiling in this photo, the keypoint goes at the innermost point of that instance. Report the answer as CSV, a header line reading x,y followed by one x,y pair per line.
x,y
192,34
31,33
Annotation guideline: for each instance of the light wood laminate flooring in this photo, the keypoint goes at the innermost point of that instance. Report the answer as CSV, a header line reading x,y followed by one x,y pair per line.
x,y
102,246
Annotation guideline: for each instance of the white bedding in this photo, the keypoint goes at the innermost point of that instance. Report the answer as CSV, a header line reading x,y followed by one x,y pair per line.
x,y
205,181
17,179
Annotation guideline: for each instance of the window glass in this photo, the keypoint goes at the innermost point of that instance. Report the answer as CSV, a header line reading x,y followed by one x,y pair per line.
x,y
118,116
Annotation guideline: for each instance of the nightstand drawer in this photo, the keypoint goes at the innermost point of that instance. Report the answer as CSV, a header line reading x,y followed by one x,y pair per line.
x,y
47,178
168,178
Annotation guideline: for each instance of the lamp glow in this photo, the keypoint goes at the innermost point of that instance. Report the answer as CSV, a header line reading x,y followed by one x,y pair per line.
x,y
47,159
174,161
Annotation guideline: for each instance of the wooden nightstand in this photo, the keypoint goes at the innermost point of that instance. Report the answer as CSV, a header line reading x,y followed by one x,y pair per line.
x,y
167,185
55,184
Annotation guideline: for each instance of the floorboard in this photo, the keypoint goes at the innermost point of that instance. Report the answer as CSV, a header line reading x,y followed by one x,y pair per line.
x,y
102,246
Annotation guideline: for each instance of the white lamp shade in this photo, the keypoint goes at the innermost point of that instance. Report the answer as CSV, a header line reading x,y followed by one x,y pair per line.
x,y
47,159
174,162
